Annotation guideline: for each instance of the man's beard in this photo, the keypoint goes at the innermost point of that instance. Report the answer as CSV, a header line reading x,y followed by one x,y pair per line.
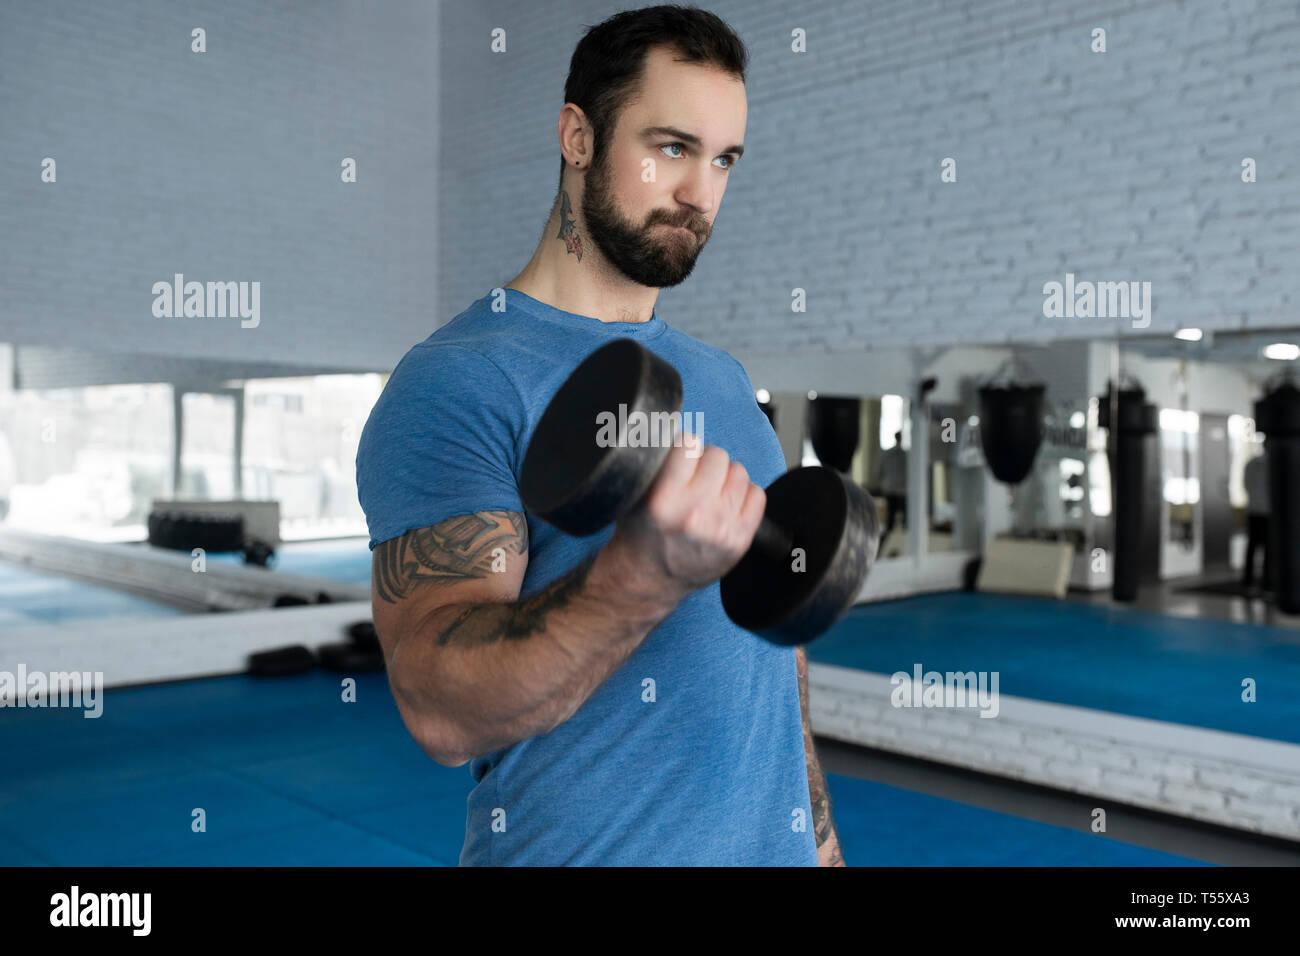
x,y
651,255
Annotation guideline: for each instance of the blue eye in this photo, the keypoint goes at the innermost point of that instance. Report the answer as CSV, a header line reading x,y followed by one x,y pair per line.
x,y
681,146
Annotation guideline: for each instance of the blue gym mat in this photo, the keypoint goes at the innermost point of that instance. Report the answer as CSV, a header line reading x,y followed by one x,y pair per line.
x,y
288,774
33,597
1187,671
881,825
346,560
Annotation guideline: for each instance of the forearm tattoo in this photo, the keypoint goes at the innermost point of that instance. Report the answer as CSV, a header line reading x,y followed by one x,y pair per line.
x,y
479,624
569,226
819,795
458,549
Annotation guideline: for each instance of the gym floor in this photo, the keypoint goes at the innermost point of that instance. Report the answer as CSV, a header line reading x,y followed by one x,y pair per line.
x,y
1116,659
285,776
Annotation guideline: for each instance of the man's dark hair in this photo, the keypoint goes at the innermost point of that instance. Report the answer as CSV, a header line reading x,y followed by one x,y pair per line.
x,y
608,63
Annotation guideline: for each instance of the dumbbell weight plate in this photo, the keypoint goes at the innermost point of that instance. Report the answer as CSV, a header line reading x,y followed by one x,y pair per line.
x,y
566,478
834,521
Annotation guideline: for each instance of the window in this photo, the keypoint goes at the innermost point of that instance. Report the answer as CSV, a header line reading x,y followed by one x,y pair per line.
x,y
85,462
300,448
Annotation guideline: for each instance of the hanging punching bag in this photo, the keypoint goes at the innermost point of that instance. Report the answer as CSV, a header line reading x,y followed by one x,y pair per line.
x,y
833,426
1126,450
1277,415
1011,429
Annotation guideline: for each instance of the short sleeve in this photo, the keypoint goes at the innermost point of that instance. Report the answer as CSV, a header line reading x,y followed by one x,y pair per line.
x,y
442,440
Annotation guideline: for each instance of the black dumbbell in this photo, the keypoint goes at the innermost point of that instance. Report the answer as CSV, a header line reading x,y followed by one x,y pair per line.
x,y
574,482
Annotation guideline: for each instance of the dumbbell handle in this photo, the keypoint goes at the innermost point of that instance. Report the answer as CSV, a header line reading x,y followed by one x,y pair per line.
x,y
772,541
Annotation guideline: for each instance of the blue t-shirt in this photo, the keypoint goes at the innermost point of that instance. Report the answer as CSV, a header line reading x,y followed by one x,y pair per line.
x,y
692,752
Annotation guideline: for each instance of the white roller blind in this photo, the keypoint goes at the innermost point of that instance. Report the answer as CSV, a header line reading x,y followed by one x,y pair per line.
x,y
222,166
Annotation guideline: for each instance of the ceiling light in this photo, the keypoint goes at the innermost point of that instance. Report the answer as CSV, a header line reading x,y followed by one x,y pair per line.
x,y
1282,351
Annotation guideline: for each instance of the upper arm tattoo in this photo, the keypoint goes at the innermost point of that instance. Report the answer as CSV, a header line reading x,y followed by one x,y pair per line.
x,y
460,548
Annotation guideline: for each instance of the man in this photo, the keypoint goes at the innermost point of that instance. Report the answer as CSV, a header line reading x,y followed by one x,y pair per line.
x,y
891,479
1255,479
609,710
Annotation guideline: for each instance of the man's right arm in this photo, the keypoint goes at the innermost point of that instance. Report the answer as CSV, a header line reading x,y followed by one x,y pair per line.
x,y
472,667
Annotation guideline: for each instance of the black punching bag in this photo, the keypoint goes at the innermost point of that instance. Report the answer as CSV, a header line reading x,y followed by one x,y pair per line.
x,y
1011,429
1277,415
833,425
1127,452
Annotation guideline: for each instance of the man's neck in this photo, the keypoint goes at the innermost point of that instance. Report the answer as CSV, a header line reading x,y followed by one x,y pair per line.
x,y
590,286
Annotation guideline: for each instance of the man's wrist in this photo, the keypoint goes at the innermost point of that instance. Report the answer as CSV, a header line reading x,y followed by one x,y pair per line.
x,y
622,574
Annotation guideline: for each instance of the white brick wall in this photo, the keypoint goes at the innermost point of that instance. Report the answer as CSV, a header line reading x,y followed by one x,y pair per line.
x,y
1229,779
1123,165
1116,166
